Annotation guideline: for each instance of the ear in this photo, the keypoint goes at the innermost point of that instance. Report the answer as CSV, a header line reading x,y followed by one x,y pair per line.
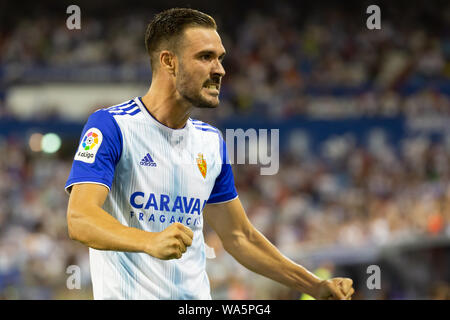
x,y
168,61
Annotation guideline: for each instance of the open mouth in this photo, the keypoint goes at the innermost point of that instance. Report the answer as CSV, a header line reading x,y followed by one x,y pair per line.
x,y
213,88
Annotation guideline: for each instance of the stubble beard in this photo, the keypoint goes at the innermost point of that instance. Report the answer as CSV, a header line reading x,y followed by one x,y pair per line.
x,y
190,94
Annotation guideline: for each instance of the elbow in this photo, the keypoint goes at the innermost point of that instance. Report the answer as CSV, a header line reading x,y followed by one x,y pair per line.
x,y
72,233
237,240
74,218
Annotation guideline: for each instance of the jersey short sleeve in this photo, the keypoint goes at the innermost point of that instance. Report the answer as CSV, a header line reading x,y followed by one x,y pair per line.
x,y
224,189
98,152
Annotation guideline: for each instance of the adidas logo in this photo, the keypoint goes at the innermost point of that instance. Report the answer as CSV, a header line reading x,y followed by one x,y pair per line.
x,y
148,161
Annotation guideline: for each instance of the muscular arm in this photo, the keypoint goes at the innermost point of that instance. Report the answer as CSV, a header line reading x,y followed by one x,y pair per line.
x,y
96,228
250,248
91,225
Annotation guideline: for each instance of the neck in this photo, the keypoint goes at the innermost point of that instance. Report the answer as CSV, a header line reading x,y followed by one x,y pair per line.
x,y
165,105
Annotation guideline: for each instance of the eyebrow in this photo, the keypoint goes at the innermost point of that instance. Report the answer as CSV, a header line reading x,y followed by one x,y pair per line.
x,y
211,52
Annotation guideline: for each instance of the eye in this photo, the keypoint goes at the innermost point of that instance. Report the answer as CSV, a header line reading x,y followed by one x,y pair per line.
x,y
206,56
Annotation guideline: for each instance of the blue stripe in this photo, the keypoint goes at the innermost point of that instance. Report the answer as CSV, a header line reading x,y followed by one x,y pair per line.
x,y
202,124
121,109
120,105
124,107
207,129
127,275
177,291
132,106
123,104
123,113
134,112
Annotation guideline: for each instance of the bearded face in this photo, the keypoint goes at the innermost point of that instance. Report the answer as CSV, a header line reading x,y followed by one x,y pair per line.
x,y
200,68
201,93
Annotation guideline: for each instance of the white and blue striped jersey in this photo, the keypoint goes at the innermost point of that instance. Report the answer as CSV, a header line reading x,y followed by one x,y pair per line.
x,y
156,176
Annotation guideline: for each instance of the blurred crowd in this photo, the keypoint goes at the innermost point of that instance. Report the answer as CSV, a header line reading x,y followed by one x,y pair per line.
x,y
370,196
321,64
35,250
324,63
365,197
359,197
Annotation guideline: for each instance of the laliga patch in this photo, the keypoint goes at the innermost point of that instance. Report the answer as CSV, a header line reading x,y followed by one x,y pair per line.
x,y
89,146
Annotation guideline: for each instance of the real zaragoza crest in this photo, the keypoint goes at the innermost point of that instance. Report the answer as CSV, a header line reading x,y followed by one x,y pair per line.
x,y
201,163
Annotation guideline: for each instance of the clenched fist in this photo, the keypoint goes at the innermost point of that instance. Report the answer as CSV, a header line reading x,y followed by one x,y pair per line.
x,y
170,243
335,289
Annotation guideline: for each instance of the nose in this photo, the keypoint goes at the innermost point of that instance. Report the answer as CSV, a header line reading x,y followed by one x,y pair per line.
x,y
218,69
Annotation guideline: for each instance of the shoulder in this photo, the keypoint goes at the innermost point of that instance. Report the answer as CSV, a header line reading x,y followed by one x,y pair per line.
x,y
116,115
107,120
103,119
203,126
126,108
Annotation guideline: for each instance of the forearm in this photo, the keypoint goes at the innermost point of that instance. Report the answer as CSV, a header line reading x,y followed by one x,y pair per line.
x,y
97,229
257,254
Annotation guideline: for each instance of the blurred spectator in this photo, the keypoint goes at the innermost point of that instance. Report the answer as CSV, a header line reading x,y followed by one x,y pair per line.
x,y
321,63
280,63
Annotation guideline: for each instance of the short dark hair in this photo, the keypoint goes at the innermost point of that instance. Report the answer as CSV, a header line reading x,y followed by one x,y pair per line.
x,y
166,27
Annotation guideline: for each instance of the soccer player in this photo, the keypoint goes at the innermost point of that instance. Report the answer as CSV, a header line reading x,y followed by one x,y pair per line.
x,y
145,175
